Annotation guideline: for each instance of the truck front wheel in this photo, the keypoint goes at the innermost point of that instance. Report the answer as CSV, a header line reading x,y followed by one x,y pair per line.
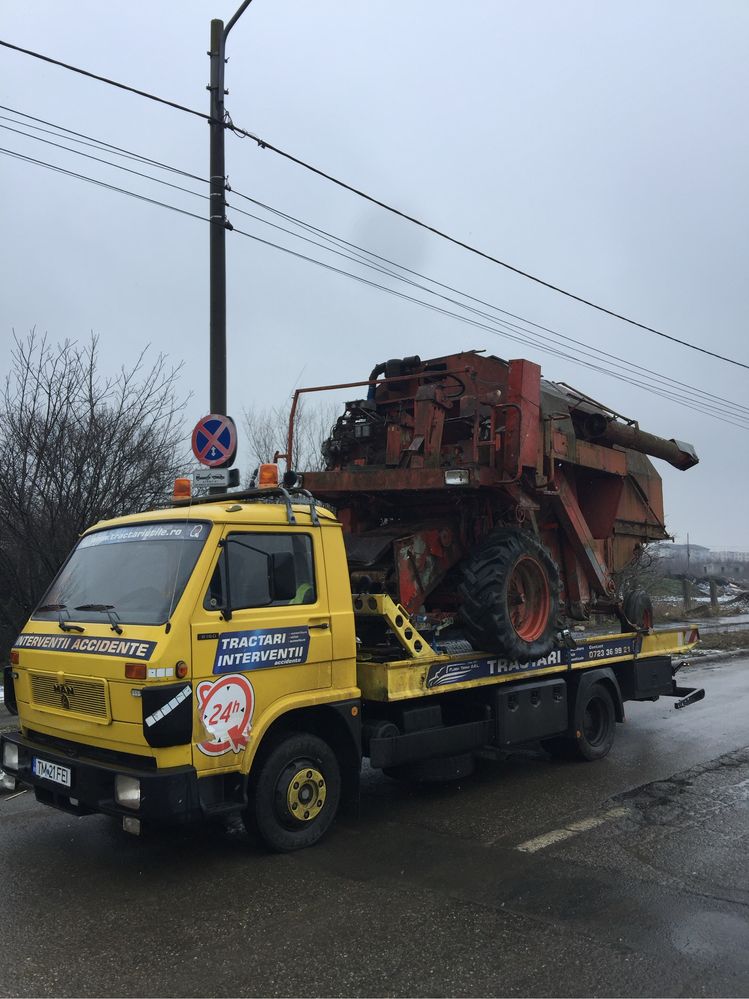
x,y
295,795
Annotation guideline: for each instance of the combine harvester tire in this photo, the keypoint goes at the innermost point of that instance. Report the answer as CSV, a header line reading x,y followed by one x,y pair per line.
x,y
510,596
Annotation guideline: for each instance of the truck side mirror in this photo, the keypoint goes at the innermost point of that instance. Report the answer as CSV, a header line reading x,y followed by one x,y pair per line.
x,y
282,576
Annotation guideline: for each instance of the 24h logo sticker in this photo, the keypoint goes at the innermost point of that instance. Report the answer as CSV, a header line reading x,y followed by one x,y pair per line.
x,y
226,707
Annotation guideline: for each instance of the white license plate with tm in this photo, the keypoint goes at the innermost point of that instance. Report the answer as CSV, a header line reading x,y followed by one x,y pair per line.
x,y
51,771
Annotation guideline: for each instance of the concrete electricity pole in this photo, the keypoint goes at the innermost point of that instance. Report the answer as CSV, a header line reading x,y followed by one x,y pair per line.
x,y
217,212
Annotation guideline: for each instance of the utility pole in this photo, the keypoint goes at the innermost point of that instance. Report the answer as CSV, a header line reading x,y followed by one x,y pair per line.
x,y
217,212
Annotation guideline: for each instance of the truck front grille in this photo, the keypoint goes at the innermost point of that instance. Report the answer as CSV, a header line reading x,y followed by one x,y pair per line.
x,y
70,695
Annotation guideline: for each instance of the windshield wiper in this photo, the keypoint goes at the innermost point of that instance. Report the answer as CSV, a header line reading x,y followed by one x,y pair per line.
x,y
107,609
60,620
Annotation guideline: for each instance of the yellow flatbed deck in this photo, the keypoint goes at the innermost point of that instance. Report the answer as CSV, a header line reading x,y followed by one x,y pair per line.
x,y
425,675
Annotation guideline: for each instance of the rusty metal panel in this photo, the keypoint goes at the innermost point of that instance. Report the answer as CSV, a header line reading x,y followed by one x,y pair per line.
x,y
578,534
560,443
366,549
600,498
603,458
524,390
394,444
421,561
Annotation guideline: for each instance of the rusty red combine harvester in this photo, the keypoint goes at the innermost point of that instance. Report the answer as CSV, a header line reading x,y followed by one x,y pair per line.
x,y
493,505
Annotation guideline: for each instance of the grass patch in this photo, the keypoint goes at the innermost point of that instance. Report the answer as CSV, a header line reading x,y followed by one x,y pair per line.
x,y
665,588
724,641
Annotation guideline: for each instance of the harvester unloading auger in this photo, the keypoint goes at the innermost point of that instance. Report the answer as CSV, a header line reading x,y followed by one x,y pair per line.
x,y
493,505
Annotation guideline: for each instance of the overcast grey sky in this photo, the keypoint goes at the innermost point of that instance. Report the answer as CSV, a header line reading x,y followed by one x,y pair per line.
x,y
602,146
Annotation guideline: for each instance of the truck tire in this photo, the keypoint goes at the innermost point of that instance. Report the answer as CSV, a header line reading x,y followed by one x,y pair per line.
x,y
638,610
295,795
510,596
594,725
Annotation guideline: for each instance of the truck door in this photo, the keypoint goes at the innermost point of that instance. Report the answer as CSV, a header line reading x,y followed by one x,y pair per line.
x,y
261,632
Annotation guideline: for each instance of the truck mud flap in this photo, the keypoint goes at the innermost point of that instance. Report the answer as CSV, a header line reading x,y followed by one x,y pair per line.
x,y
422,745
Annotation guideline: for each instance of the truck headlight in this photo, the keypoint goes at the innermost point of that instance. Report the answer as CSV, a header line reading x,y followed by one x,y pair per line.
x,y
10,756
127,791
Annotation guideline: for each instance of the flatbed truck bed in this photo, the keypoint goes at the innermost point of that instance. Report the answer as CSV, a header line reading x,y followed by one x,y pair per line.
x,y
400,679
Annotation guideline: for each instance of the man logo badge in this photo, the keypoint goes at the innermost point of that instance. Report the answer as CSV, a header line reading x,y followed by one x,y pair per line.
x,y
65,690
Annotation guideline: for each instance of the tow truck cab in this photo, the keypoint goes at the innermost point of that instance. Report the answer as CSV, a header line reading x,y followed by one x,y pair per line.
x,y
168,647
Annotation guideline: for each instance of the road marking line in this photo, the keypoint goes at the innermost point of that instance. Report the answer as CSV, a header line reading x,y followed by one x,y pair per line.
x,y
18,794
541,842
572,829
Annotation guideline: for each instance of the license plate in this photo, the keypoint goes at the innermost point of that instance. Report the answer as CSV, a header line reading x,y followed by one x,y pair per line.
x,y
51,771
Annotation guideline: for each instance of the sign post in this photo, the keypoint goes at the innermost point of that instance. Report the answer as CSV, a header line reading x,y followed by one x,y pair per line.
x,y
219,223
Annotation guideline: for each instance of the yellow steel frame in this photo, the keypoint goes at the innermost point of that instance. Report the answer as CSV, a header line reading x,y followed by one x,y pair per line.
x,y
397,619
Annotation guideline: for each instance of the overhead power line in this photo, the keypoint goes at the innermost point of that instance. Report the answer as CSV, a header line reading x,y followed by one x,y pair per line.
x,y
99,159
338,240
361,255
536,339
365,257
90,140
104,79
98,183
658,390
665,394
265,144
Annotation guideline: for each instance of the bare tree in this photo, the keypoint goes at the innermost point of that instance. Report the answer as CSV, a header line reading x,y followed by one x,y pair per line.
x,y
75,447
642,571
267,432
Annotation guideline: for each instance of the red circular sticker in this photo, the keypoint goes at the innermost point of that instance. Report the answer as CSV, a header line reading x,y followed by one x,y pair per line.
x,y
226,707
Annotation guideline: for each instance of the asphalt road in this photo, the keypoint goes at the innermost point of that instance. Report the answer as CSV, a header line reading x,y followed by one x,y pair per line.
x,y
625,877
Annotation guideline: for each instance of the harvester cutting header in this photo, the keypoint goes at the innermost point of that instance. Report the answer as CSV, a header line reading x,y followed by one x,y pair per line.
x,y
491,504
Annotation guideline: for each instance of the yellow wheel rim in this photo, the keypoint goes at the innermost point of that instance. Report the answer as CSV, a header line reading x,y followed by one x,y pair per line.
x,y
306,794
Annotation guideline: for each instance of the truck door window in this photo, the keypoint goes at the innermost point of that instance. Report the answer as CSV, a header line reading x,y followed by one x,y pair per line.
x,y
249,558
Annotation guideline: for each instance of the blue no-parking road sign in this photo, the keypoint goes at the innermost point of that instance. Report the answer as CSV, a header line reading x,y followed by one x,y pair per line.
x,y
214,441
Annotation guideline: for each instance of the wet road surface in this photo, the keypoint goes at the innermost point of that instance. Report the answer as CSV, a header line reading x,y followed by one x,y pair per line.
x,y
625,877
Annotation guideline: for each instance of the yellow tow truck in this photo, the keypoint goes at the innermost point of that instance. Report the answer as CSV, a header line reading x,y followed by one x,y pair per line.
x,y
210,659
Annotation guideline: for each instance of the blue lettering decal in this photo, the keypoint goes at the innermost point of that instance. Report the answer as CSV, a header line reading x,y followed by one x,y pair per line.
x,y
261,648
123,648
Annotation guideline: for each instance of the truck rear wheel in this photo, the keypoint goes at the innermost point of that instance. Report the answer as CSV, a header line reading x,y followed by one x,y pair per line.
x,y
295,796
510,596
595,727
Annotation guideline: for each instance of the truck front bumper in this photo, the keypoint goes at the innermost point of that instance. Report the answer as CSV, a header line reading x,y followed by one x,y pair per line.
x,y
167,795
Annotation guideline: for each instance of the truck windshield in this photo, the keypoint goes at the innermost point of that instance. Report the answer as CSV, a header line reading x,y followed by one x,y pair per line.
x,y
133,575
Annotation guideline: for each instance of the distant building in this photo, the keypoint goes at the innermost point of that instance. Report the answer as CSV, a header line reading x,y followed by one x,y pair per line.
x,y
723,563
697,560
